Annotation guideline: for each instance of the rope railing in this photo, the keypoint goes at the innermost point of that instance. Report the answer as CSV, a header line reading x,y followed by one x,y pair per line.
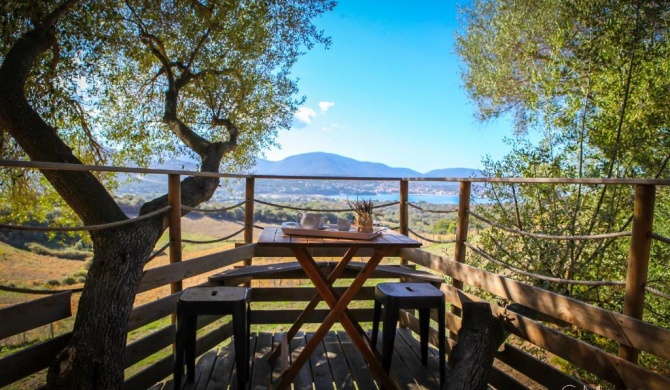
x,y
159,251
23,290
549,236
300,208
660,238
386,205
319,210
593,283
432,211
87,227
542,277
431,240
195,209
214,240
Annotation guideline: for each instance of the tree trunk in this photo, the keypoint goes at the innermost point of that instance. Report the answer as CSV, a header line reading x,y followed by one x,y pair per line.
x,y
93,358
472,359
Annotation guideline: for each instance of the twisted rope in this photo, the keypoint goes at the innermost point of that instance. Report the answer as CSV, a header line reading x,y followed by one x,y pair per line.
x,y
657,292
158,252
298,208
659,238
318,210
548,236
189,208
542,277
431,211
429,240
485,255
86,228
386,204
212,241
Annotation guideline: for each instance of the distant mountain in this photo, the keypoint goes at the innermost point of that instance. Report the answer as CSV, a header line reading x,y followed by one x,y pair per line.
x,y
329,164
308,164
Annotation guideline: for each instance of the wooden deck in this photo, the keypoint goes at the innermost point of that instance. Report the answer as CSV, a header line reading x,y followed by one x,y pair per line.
x,y
336,364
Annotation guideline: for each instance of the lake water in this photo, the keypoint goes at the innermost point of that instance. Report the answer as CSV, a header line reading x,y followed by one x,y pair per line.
x,y
414,198
377,198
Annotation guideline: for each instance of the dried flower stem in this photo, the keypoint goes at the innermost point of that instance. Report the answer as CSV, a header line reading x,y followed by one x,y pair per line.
x,y
361,207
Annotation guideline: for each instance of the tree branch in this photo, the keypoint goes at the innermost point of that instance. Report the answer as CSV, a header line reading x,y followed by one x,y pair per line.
x,y
81,190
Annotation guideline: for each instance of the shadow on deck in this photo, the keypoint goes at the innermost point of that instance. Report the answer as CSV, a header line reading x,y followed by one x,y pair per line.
x,y
335,364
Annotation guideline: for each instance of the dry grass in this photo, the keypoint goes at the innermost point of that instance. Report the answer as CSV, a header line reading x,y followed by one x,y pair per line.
x,y
26,269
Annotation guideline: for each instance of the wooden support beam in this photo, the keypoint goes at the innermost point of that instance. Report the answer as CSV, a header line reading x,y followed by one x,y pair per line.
x,y
174,199
462,232
638,260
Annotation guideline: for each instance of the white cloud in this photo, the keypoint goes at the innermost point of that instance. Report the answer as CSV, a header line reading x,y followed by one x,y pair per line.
x,y
324,106
303,117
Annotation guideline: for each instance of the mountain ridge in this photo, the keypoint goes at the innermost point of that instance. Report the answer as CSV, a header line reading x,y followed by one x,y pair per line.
x,y
330,164
307,164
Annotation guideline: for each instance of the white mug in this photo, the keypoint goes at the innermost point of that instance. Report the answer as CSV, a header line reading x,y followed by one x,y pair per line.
x,y
311,220
343,225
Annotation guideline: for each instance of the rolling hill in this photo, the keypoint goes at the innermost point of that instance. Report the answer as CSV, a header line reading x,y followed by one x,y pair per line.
x,y
307,164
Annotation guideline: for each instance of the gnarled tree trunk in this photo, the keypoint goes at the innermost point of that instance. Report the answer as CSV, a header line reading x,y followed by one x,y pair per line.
x,y
93,358
478,339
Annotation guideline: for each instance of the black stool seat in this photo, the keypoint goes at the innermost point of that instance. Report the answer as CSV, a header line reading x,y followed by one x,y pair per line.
x,y
218,300
420,296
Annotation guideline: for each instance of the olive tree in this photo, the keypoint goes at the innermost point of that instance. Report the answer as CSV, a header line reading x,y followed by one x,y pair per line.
x,y
133,81
587,80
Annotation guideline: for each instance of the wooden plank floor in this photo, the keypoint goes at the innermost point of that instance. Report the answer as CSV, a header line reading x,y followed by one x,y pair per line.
x,y
336,364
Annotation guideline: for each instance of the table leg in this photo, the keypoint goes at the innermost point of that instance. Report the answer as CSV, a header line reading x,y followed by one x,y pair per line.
x,y
334,274
338,308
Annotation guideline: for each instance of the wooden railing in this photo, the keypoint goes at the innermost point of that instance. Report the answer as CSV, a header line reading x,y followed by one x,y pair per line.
x,y
627,328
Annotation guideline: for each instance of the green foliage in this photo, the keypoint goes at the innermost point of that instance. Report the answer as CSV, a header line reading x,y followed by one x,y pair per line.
x,y
585,81
445,226
66,253
102,87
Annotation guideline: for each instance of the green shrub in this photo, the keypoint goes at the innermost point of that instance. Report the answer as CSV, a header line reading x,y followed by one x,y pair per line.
x,y
69,253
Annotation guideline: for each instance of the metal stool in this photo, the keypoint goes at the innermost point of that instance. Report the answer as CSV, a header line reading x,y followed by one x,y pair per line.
x,y
420,296
197,301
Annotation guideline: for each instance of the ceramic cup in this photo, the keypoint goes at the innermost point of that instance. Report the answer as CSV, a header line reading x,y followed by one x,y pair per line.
x,y
311,220
343,225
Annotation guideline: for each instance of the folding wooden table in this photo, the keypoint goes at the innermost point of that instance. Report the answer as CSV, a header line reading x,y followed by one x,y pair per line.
x,y
388,243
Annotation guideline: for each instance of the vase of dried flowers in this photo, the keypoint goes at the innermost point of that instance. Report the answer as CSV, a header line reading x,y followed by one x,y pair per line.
x,y
363,210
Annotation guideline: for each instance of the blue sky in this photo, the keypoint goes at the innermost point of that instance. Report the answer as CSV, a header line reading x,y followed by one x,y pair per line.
x,y
389,90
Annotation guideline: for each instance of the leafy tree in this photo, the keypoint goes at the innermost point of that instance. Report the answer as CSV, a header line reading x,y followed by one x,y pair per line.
x,y
118,82
444,226
588,80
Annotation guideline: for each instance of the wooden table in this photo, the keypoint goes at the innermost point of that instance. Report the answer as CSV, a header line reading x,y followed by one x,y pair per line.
x,y
389,243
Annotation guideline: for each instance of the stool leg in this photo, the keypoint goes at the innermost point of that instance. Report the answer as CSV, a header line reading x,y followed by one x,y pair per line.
x,y
376,314
178,369
191,324
443,340
424,321
388,337
240,329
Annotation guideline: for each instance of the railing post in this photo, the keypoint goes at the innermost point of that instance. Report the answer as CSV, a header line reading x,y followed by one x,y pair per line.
x,y
638,259
462,231
404,211
249,214
174,199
